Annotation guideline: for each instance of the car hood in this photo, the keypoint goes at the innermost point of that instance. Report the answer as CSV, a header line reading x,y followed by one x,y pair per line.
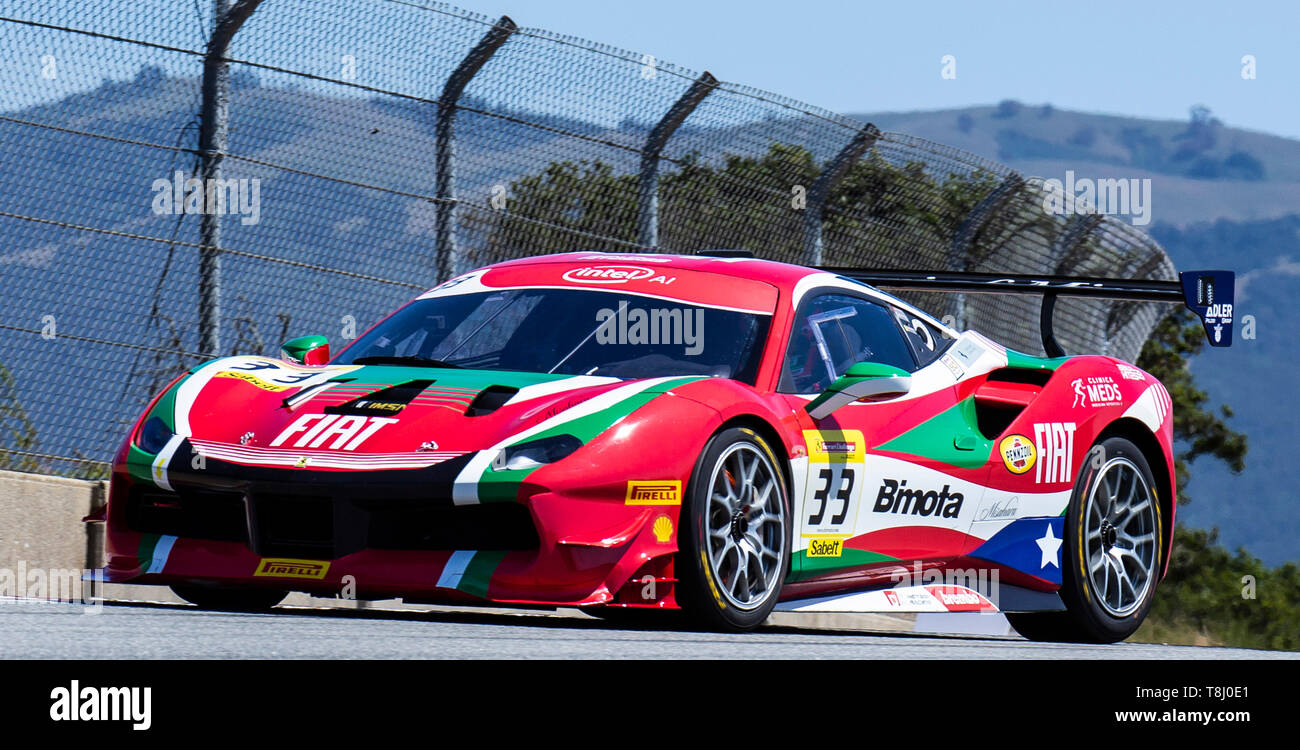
x,y
265,408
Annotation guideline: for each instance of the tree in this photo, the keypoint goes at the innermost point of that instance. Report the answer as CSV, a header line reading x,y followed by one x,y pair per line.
x,y
17,432
1208,592
1201,432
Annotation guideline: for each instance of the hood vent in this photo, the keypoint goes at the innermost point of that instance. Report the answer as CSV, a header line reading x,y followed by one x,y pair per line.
x,y
492,398
383,402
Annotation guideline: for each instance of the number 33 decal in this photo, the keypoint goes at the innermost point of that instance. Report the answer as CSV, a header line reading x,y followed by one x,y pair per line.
x,y
834,488
843,493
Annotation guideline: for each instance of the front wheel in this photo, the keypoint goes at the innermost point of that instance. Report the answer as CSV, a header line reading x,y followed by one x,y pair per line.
x,y
1113,551
735,545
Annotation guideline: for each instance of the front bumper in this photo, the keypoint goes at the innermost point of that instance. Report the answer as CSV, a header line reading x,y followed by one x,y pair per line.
x,y
380,534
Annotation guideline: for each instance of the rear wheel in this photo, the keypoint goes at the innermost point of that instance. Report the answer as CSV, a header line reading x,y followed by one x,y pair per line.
x,y
1113,551
735,541
230,599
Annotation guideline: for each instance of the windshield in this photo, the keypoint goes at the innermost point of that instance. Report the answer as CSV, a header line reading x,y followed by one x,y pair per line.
x,y
567,331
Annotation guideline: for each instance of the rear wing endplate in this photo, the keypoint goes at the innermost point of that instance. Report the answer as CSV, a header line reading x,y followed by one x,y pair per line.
x,y
1209,294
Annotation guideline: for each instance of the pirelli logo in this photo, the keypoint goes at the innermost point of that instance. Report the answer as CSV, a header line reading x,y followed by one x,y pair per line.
x,y
273,567
667,492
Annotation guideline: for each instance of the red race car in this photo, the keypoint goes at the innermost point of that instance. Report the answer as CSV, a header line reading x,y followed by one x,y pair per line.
x,y
712,433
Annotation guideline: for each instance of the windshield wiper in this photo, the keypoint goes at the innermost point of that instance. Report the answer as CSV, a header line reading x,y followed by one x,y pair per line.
x,y
404,360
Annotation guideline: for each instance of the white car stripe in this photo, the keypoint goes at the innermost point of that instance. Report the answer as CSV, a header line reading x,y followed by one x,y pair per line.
x,y
455,569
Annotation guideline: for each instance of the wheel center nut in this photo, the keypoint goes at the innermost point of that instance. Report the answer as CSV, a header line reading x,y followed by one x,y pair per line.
x,y
739,524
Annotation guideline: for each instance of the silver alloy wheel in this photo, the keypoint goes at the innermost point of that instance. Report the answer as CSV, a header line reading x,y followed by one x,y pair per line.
x,y
745,523
1120,537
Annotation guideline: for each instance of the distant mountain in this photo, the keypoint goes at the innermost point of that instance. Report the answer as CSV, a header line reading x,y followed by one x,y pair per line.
x,y
1201,169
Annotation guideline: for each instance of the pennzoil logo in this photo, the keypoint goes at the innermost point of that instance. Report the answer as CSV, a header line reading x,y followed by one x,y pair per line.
x,y
277,567
251,380
825,547
1018,453
666,492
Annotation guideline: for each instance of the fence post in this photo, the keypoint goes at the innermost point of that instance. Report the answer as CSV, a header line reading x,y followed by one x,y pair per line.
x,y
230,16
959,251
822,186
444,165
647,215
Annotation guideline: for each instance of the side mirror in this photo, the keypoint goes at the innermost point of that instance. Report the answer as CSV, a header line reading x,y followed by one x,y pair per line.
x,y
863,381
306,350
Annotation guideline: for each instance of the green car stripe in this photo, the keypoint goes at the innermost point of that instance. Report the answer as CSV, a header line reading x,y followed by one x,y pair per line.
x,y
937,438
503,485
803,567
478,574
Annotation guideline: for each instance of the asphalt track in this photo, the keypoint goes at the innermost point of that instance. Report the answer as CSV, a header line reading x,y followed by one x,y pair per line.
x,y
39,630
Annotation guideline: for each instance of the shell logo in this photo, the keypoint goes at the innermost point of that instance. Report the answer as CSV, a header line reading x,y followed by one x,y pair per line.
x,y
607,274
663,529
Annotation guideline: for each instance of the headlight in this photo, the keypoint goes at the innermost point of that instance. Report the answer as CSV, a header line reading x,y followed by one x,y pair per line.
x,y
153,436
536,453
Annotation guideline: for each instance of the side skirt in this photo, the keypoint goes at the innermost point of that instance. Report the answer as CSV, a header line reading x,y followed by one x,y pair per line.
x,y
931,598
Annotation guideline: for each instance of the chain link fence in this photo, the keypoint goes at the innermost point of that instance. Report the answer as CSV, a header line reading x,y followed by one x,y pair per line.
x,y
181,180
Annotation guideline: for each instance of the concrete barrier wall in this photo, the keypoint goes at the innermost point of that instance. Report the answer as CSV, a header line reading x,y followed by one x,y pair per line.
x,y
40,522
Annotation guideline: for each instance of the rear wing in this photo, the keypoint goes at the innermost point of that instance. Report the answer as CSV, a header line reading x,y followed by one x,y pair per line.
x,y
1209,294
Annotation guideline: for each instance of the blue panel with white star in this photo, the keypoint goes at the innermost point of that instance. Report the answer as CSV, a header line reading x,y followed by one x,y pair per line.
x,y
1031,545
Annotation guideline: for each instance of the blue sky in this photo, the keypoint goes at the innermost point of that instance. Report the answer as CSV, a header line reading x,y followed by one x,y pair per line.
x,y
1149,59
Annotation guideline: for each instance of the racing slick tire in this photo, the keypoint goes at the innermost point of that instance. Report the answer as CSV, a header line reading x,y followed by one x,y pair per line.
x,y
1112,553
735,533
230,599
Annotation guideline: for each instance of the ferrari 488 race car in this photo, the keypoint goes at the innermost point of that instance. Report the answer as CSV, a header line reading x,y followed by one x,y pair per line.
x,y
712,433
